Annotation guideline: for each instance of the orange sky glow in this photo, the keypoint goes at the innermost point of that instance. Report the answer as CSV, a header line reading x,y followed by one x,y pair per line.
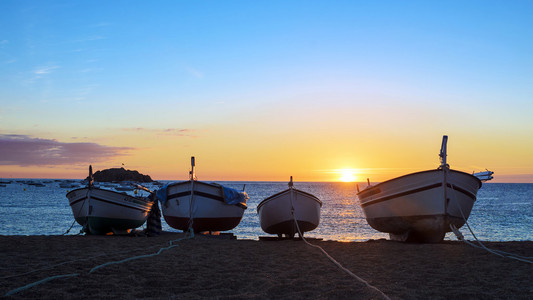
x,y
262,91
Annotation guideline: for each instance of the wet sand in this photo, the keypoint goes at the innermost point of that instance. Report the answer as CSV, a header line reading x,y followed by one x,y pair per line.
x,y
207,267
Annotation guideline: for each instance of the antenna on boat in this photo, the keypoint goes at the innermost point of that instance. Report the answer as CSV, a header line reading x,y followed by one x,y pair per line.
x,y
368,181
290,183
443,153
192,175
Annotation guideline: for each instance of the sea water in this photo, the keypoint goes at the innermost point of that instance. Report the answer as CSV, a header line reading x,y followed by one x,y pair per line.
x,y
502,212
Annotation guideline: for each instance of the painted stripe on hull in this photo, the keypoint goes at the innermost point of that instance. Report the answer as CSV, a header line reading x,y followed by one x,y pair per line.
x,y
119,199
143,209
273,197
202,194
276,212
210,211
103,211
203,224
418,190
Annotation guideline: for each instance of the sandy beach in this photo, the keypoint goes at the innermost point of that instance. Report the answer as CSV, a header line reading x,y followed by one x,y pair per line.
x,y
207,267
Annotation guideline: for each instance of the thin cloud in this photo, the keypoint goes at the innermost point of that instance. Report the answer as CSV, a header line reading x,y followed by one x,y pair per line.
x,y
23,150
91,70
44,70
168,131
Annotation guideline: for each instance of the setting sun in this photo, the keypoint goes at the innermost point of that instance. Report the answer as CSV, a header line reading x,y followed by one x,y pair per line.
x,y
347,175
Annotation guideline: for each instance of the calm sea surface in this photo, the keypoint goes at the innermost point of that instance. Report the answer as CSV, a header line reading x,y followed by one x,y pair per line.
x,y
502,212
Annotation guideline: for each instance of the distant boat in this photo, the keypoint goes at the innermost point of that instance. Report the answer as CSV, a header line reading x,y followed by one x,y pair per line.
x,y
67,185
200,205
420,207
278,212
102,211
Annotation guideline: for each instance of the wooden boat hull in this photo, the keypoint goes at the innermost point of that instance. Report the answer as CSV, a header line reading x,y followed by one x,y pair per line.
x,y
102,211
204,206
275,212
420,206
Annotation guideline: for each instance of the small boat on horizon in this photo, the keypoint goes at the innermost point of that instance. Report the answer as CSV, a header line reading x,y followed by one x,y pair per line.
x,y
421,206
101,211
279,213
200,205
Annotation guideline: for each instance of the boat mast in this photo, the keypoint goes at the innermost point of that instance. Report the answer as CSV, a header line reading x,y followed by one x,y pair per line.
x,y
290,183
192,174
91,181
192,178
443,153
445,167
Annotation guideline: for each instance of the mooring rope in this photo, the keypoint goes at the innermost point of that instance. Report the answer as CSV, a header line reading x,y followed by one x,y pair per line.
x,y
189,235
82,205
329,256
460,237
22,288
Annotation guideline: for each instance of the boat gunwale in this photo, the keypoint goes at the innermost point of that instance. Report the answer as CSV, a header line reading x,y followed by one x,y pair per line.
x,y
371,187
414,191
195,182
285,191
144,199
203,194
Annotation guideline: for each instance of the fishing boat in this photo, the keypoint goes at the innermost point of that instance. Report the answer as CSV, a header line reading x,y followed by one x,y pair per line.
x,y
421,206
201,206
278,213
102,211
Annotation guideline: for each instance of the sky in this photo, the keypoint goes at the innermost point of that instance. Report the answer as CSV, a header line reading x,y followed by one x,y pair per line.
x,y
265,90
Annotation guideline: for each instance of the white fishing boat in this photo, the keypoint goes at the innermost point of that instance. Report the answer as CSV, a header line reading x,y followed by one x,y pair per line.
x,y
420,207
200,205
277,213
102,211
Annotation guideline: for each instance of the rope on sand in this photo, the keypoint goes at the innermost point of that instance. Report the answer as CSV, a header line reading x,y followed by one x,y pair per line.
x,y
331,258
77,260
460,237
172,245
191,232
189,235
22,288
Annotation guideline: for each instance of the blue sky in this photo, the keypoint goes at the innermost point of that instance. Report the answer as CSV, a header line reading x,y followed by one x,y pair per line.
x,y
86,71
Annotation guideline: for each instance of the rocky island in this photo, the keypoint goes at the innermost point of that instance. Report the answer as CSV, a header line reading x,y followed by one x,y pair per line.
x,y
120,174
